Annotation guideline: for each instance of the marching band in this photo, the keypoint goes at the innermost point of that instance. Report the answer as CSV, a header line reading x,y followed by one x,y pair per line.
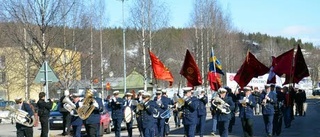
x,y
153,114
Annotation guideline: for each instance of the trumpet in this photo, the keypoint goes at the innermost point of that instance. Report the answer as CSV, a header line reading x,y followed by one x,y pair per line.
x,y
166,114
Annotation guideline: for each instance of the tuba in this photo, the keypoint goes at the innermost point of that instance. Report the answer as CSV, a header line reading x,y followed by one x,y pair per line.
x,y
21,117
68,105
86,109
221,105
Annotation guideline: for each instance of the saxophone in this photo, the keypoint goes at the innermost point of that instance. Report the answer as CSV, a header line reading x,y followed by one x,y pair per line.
x,y
86,109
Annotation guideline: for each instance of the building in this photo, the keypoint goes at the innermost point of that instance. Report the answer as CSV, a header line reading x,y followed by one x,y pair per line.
x,y
17,71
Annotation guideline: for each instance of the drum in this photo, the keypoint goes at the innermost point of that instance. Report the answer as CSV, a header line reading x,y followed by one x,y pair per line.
x,y
128,115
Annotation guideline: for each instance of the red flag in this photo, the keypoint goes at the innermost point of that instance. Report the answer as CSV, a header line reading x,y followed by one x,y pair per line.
x,y
159,70
250,68
283,63
214,80
300,67
190,70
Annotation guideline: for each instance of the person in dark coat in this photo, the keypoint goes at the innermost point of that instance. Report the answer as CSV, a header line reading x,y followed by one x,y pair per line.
x,y
268,100
23,130
76,121
190,116
223,117
166,119
116,104
44,108
202,112
247,104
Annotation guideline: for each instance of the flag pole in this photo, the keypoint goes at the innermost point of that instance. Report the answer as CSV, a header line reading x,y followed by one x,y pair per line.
x,y
292,73
214,68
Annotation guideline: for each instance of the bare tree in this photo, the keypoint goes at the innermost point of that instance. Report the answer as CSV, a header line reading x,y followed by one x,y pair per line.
x,y
148,16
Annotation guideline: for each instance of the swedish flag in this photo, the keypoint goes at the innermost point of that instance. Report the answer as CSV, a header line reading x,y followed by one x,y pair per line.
x,y
214,64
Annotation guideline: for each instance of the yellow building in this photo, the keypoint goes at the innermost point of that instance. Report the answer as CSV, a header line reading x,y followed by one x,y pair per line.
x,y
18,71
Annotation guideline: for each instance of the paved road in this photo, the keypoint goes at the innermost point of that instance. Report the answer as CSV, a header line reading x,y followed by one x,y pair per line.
x,y
307,126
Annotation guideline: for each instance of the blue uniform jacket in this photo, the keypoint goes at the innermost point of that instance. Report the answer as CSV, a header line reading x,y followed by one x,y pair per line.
x,y
222,116
94,117
147,114
269,107
75,119
25,107
202,106
190,114
117,108
247,112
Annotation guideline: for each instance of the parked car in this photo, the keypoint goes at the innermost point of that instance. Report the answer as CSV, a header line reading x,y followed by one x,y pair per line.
x,y
316,91
55,118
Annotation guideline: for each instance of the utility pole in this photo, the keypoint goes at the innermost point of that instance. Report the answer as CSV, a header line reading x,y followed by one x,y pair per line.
x,y
124,50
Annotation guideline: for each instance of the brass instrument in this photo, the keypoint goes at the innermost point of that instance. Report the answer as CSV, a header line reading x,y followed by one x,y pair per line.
x,y
68,105
166,114
86,109
221,105
21,116
140,106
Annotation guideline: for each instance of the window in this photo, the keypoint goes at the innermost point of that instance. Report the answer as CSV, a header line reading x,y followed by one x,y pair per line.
x,y
2,62
2,77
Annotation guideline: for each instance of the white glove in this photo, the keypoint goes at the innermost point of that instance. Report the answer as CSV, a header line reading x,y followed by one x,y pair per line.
x,y
227,105
223,110
95,103
247,100
72,113
80,104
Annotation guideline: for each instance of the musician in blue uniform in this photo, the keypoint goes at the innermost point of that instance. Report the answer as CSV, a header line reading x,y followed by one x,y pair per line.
x,y
129,103
22,129
76,121
247,104
138,113
147,112
162,106
202,112
268,99
167,115
92,123
116,104
278,111
223,114
190,114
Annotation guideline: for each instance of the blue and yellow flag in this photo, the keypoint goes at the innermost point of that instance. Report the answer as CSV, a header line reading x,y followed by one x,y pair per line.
x,y
214,64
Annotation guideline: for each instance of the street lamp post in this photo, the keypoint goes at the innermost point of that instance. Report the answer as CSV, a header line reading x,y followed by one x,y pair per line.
x,y
124,50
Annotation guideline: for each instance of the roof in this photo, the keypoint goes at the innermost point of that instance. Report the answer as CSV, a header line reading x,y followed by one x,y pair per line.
x,y
134,80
